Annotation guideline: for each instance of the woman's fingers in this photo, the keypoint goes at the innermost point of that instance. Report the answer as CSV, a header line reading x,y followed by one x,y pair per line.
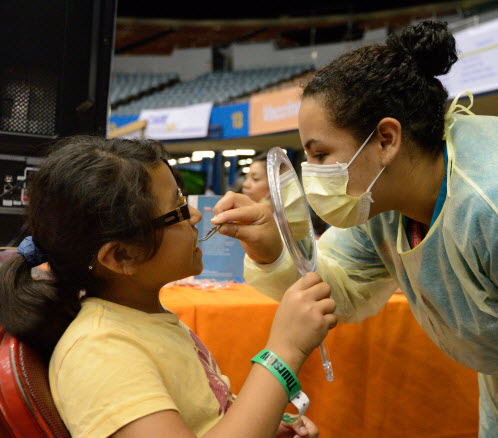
x,y
251,223
250,214
230,201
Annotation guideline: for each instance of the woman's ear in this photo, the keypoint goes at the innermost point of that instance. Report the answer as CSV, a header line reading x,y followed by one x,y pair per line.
x,y
389,134
118,257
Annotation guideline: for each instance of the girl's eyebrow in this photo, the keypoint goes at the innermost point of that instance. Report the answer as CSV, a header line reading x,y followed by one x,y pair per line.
x,y
176,196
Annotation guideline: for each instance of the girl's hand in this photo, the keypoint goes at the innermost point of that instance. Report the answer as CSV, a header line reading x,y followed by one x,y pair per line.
x,y
303,319
302,427
252,223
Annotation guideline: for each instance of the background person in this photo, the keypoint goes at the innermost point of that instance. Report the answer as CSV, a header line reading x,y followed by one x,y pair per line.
x,y
375,128
255,185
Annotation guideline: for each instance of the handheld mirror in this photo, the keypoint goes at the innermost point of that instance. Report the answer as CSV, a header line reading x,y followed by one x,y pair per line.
x,y
294,222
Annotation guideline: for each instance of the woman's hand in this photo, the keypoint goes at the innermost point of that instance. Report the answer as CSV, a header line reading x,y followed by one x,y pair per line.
x,y
252,223
302,427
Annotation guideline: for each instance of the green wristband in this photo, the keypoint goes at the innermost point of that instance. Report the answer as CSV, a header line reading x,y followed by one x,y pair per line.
x,y
288,380
280,370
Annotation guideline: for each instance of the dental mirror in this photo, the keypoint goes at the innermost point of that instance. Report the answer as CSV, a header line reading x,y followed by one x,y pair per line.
x,y
294,222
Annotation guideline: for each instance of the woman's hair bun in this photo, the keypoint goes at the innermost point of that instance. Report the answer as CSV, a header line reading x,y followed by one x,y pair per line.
x,y
430,44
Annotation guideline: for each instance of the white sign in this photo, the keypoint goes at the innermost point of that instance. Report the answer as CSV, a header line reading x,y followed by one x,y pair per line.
x,y
477,67
175,123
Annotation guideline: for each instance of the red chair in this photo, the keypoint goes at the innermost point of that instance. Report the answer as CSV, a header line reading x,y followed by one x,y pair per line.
x,y
26,406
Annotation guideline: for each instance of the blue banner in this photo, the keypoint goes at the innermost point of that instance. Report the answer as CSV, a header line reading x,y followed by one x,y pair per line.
x,y
118,121
229,121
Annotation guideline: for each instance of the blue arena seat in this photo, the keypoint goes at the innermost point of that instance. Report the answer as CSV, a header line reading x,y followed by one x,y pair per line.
x,y
218,87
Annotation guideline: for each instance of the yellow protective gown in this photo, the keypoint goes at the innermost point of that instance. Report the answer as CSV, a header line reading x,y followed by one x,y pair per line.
x,y
450,279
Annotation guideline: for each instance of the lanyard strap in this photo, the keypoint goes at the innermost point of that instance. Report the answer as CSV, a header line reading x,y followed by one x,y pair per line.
x,y
415,233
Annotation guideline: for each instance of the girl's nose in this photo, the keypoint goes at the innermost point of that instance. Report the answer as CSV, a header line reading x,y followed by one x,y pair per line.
x,y
195,215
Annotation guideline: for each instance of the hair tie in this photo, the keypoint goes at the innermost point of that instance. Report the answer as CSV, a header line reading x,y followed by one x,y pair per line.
x,y
32,253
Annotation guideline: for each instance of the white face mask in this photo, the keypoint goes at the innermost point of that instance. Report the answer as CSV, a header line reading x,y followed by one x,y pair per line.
x,y
326,185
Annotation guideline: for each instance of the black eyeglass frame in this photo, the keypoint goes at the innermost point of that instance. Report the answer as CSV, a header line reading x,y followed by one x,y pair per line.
x,y
179,214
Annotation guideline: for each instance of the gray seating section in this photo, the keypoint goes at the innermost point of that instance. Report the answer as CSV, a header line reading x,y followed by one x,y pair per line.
x,y
126,86
218,87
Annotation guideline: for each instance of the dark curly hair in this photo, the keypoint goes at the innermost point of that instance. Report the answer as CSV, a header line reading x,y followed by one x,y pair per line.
x,y
87,192
396,80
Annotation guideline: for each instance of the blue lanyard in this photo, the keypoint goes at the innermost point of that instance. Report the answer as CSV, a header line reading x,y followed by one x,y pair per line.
x,y
439,202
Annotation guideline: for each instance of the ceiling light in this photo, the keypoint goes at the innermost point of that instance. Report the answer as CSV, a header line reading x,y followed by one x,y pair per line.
x,y
203,154
246,152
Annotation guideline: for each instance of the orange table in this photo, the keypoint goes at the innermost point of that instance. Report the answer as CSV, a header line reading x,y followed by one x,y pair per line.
x,y
390,379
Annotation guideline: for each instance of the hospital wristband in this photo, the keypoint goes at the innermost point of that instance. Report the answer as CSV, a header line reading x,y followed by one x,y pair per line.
x,y
288,380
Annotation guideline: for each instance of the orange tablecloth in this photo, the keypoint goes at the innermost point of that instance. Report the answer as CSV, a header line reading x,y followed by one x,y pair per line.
x,y
391,381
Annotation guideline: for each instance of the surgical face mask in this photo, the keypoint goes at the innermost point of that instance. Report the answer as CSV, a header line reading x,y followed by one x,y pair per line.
x,y
295,206
266,199
326,185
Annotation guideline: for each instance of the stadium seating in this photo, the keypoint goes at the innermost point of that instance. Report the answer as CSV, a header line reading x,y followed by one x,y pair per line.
x,y
125,87
218,87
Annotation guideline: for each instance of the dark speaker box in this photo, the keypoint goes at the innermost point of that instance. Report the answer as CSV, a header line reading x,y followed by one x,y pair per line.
x,y
55,61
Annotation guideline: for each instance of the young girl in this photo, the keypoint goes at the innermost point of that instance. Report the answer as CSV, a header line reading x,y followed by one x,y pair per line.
x,y
110,221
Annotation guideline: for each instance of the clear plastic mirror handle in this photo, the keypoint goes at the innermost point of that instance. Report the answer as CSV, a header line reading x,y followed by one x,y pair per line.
x,y
275,158
326,363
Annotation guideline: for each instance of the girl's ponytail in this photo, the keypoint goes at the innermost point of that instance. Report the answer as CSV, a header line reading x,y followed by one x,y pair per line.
x,y
30,308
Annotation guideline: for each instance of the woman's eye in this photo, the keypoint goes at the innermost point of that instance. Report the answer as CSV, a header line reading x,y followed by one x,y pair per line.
x,y
319,157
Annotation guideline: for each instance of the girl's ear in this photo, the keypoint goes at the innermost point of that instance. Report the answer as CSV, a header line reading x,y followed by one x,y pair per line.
x,y
118,257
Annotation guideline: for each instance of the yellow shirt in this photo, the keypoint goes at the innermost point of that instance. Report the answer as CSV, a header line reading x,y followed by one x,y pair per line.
x,y
115,364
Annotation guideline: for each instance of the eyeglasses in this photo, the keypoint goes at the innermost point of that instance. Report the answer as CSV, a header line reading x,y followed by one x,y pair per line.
x,y
179,214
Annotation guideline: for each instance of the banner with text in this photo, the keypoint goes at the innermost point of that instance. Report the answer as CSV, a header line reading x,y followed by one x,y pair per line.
x,y
477,67
274,112
175,123
230,121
